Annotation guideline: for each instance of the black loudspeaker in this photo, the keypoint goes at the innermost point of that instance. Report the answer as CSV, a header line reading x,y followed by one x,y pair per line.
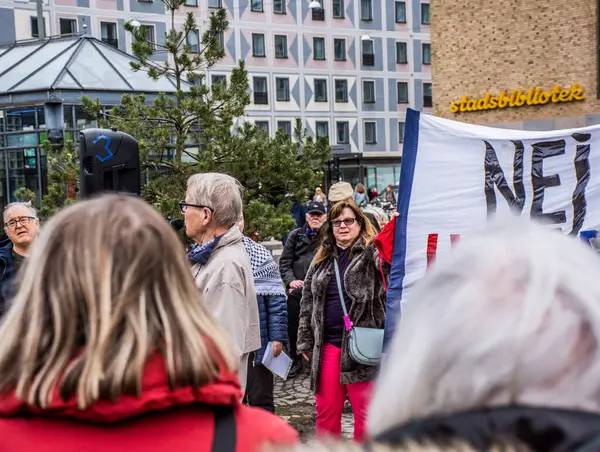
x,y
110,162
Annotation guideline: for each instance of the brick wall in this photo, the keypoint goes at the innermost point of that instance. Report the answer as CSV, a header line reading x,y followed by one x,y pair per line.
x,y
490,46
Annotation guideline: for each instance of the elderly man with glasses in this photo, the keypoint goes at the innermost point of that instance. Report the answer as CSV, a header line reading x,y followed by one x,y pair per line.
x,y
20,225
221,266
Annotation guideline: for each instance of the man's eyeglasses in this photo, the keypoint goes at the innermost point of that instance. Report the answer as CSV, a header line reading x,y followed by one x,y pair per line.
x,y
23,221
347,222
184,205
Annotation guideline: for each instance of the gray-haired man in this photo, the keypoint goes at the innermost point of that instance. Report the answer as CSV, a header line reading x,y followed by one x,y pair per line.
x,y
21,225
221,267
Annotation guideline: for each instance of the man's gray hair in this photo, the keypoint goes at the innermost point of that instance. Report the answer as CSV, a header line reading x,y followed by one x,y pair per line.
x,y
221,192
510,317
28,205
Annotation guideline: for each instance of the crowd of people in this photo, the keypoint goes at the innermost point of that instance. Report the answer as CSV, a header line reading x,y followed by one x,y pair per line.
x,y
112,337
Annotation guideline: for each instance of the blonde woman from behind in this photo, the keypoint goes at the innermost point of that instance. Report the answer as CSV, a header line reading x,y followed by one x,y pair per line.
x,y
107,345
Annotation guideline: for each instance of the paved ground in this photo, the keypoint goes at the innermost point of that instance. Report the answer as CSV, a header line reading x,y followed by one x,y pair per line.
x,y
295,403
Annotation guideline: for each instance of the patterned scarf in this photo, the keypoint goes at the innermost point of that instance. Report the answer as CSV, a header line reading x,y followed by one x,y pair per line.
x,y
267,280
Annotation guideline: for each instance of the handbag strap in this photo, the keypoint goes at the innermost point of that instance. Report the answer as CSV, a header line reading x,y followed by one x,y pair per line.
x,y
347,322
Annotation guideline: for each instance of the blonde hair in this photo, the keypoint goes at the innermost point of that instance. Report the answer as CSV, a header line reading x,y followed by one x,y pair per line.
x,y
107,284
366,235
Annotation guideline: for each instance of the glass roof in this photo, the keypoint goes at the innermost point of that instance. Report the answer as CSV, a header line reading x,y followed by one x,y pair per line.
x,y
76,62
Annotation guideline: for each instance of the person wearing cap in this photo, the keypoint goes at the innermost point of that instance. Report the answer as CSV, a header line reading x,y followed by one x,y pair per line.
x,y
297,255
342,191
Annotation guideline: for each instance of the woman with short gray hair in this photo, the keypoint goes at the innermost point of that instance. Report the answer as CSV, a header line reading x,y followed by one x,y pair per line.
x,y
221,267
501,340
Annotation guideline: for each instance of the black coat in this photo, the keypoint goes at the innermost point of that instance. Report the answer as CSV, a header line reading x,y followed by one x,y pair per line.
x,y
539,429
6,275
298,253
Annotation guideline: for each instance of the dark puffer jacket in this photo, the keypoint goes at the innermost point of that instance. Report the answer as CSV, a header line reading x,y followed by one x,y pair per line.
x,y
272,310
7,272
270,296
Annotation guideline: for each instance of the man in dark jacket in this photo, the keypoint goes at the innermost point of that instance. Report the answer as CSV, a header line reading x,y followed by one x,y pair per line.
x,y
298,253
21,226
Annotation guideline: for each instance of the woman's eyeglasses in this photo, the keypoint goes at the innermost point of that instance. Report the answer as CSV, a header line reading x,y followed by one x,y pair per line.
x,y
347,222
184,205
23,221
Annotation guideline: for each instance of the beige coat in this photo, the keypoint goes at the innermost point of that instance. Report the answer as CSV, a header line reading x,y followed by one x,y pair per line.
x,y
228,288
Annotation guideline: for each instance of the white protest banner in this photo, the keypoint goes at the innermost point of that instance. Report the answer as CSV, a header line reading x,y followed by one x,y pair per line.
x,y
455,176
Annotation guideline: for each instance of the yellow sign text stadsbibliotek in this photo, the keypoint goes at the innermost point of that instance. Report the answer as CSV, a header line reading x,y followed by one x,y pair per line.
x,y
518,98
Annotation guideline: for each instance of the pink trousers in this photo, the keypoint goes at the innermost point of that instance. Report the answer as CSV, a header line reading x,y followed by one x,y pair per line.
x,y
331,396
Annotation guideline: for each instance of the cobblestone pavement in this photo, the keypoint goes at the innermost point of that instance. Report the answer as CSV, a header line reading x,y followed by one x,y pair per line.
x,y
295,403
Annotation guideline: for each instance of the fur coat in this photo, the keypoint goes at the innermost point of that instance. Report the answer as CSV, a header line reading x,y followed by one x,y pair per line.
x,y
366,291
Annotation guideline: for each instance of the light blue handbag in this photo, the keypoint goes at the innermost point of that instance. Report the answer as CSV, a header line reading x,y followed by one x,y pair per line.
x,y
365,345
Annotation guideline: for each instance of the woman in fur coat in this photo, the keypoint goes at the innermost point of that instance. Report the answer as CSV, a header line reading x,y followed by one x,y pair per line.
x,y
348,236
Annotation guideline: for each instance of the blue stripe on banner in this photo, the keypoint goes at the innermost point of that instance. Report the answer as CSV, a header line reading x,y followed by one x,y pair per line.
x,y
407,172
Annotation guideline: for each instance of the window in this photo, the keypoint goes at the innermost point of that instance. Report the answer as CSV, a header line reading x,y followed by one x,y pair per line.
x,y
218,79
149,34
262,126
343,132
214,3
193,40
258,45
402,92
283,89
366,10
286,126
191,2
400,132
67,26
400,12
318,13
425,14
338,9
368,91
427,95
108,33
401,53
279,6
35,31
341,90
322,129
368,56
320,90
370,132
339,49
281,48
319,48
426,53
260,91
221,40
256,6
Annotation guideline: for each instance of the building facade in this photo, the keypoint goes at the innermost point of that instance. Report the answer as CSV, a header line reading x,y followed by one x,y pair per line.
x,y
349,69
523,65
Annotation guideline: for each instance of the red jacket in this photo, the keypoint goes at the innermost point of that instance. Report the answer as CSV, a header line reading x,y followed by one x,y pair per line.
x,y
159,420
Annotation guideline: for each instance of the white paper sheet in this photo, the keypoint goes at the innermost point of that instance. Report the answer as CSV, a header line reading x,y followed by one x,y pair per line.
x,y
280,366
